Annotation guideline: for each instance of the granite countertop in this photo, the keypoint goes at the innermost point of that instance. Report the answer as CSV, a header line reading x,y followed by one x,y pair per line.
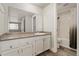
x,y
18,35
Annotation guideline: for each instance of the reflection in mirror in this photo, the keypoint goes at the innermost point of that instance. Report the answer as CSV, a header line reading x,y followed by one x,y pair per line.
x,y
19,20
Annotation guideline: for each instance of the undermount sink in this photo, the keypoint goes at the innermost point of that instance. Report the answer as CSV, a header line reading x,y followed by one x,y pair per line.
x,y
39,33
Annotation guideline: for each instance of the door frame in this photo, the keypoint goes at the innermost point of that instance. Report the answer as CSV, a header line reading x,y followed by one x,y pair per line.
x,y
33,22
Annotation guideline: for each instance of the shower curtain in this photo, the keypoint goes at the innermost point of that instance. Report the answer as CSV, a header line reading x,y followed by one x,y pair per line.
x,y
73,37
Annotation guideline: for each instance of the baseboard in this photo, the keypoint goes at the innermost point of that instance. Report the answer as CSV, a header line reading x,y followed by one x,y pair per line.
x,y
69,48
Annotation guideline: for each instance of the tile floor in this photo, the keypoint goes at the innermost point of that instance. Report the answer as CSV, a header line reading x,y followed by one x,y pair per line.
x,y
61,52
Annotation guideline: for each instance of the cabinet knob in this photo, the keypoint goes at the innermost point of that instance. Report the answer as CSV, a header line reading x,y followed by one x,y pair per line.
x,y
11,47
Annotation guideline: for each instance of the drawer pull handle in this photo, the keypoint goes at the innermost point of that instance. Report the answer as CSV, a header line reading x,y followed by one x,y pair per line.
x,y
11,47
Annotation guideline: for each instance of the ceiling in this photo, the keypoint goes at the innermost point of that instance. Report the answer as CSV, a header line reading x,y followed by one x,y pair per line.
x,y
65,5
41,5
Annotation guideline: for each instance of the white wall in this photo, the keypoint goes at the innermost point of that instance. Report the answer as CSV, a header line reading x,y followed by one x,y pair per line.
x,y
22,24
3,18
28,24
77,29
50,23
39,24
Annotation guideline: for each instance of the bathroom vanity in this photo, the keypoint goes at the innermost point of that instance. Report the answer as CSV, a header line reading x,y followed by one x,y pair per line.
x,y
24,44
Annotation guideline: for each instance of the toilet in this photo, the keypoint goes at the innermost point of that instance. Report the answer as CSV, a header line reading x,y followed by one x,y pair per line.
x,y
59,41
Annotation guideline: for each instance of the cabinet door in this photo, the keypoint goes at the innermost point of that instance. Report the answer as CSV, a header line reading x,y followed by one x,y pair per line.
x,y
39,46
26,51
12,52
46,43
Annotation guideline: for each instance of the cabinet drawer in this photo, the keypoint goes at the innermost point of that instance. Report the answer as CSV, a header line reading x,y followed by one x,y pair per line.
x,y
8,45
25,42
5,45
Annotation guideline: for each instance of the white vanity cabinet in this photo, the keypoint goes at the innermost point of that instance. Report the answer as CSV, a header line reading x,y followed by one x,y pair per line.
x,y
25,46
42,44
22,51
19,47
39,45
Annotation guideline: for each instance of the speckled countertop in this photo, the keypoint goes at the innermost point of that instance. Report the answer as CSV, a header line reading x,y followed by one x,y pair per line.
x,y
18,35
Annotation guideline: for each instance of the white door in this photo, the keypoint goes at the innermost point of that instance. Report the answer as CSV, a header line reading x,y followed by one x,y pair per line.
x,y
39,46
26,51
46,43
12,52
